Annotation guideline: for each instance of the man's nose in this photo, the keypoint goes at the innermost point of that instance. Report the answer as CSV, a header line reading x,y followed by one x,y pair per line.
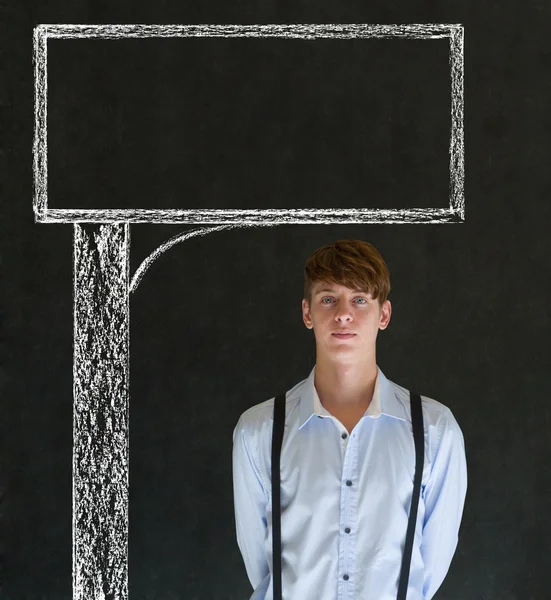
x,y
343,314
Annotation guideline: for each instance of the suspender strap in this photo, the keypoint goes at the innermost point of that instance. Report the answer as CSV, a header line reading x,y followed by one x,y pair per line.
x,y
418,438
277,439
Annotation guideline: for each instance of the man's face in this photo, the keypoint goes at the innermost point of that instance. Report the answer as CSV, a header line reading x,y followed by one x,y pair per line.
x,y
337,308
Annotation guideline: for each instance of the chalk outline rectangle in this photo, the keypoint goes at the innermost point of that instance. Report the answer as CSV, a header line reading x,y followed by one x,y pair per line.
x,y
453,214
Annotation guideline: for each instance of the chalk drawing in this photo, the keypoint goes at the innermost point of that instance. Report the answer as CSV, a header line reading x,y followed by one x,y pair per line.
x,y
102,284
100,411
454,213
177,239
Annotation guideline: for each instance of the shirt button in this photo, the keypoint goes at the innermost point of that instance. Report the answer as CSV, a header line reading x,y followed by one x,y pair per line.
x,y
345,577
348,482
344,436
347,530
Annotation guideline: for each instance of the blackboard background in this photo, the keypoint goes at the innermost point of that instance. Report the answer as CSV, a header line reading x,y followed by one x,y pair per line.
x,y
216,325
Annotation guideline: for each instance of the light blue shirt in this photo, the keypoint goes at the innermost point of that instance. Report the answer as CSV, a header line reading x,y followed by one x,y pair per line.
x,y
330,529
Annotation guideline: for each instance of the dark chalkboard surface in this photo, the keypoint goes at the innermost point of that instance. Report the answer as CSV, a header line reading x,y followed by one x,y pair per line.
x,y
247,122
215,324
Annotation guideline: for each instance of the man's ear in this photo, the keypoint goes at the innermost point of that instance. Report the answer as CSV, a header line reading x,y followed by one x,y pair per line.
x,y
306,317
386,311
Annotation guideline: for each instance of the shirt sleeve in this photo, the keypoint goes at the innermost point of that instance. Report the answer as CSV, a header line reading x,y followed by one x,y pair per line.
x,y
444,497
249,499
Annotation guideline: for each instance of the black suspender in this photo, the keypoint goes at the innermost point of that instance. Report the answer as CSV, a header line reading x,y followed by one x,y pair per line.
x,y
419,439
277,439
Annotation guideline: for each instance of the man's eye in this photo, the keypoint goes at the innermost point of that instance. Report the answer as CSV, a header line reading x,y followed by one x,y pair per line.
x,y
323,300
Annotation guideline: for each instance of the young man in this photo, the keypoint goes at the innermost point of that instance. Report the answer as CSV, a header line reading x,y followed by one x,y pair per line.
x,y
348,457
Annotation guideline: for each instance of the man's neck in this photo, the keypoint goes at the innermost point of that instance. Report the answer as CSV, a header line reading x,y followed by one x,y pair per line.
x,y
345,385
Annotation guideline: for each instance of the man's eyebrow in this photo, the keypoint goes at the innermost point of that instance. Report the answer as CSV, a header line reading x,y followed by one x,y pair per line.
x,y
334,291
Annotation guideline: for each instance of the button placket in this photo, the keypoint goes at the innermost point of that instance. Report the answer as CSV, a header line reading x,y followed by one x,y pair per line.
x,y
346,498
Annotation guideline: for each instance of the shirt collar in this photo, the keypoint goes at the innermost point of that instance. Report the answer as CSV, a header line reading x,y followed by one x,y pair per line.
x,y
384,400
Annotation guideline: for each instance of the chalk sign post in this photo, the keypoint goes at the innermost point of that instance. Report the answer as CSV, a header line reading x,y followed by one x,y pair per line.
x,y
103,283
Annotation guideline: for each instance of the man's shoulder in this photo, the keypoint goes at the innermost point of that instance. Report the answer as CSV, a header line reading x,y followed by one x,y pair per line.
x,y
258,413
260,416
434,411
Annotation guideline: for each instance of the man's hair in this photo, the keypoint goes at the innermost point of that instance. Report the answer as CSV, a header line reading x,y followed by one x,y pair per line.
x,y
353,263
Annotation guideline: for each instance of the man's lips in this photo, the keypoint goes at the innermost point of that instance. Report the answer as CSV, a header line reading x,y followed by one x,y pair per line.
x,y
343,334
